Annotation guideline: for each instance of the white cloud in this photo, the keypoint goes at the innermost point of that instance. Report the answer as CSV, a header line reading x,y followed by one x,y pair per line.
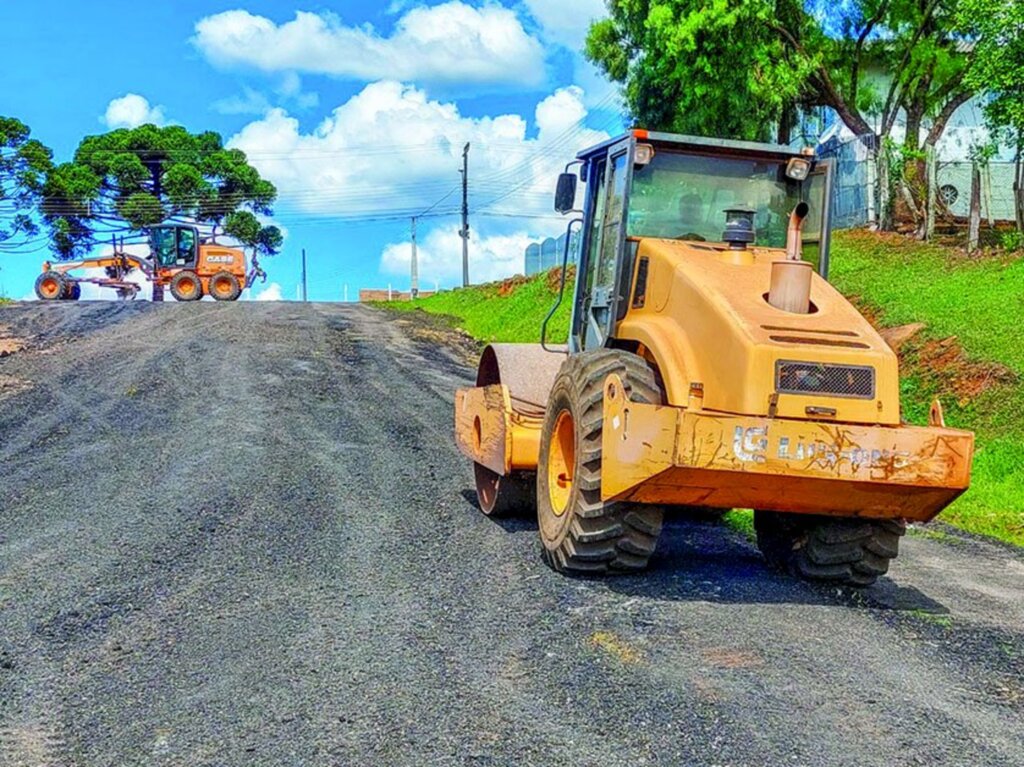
x,y
270,293
254,102
565,22
250,102
364,158
439,256
451,43
131,111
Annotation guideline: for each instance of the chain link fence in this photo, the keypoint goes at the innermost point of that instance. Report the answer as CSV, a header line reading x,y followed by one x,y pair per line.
x,y
855,190
854,182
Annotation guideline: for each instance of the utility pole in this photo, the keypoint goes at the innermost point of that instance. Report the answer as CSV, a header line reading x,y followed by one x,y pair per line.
x,y
464,232
414,284
305,295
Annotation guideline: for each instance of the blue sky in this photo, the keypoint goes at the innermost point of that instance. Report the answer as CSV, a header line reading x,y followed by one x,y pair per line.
x,y
357,111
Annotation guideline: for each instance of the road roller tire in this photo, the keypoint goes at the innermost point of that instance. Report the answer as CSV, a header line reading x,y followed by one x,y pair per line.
x,y
224,286
186,286
850,552
51,286
580,533
510,496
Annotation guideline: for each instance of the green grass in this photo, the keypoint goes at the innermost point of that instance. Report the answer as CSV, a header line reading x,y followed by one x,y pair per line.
x,y
981,302
742,522
898,280
941,620
489,316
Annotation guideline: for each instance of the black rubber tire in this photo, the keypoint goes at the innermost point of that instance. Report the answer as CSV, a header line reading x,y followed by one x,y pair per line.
x,y
232,294
61,280
852,552
594,537
74,292
699,513
513,495
178,283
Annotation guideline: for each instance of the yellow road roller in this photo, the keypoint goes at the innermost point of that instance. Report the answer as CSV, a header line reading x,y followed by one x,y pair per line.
x,y
709,364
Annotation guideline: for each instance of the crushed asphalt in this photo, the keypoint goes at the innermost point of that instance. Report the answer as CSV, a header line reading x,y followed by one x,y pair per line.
x,y
241,535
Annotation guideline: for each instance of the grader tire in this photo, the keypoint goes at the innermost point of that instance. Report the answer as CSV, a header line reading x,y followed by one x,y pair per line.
x,y
580,533
850,552
74,292
509,496
186,286
224,286
51,286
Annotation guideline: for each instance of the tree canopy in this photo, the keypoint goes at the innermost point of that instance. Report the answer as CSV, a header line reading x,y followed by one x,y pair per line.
x,y
706,68
740,68
24,163
997,30
130,179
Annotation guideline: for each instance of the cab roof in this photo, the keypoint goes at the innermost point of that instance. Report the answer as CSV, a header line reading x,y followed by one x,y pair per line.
x,y
701,144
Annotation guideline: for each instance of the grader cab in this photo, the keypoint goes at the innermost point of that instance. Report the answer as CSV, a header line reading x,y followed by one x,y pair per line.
x,y
179,260
709,364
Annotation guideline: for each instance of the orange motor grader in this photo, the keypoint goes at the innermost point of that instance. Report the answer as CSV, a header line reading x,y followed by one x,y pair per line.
x,y
709,364
179,260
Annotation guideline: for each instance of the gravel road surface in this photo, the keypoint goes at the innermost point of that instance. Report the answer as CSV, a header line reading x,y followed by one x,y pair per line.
x,y
241,535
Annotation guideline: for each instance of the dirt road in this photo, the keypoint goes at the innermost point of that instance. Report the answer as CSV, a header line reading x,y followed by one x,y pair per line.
x,y
241,535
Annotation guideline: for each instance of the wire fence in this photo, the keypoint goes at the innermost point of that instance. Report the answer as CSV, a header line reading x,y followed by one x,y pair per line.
x,y
855,189
854,182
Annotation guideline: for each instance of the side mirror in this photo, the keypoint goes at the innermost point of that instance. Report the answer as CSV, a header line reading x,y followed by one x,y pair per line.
x,y
565,193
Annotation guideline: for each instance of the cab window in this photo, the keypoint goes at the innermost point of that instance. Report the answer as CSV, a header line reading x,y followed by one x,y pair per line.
x,y
186,246
164,246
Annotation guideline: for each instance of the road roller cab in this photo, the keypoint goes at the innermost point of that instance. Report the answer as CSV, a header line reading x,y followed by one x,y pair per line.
x,y
709,363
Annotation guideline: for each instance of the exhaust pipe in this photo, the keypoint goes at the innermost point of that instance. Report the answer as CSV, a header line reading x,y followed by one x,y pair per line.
x,y
794,237
790,288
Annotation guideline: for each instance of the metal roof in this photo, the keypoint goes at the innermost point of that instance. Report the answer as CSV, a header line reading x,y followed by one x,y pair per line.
x,y
697,143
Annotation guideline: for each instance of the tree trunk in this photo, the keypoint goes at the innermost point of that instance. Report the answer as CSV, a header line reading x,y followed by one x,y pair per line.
x,y
930,164
884,189
1018,183
156,172
974,220
912,141
787,121
915,211
912,188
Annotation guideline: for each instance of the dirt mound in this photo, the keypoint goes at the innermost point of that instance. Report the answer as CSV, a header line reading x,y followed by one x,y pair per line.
x,y
898,336
8,343
943,361
509,286
962,377
555,277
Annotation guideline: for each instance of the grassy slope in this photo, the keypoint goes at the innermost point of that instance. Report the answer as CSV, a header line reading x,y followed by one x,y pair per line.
x,y
980,302
489,316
